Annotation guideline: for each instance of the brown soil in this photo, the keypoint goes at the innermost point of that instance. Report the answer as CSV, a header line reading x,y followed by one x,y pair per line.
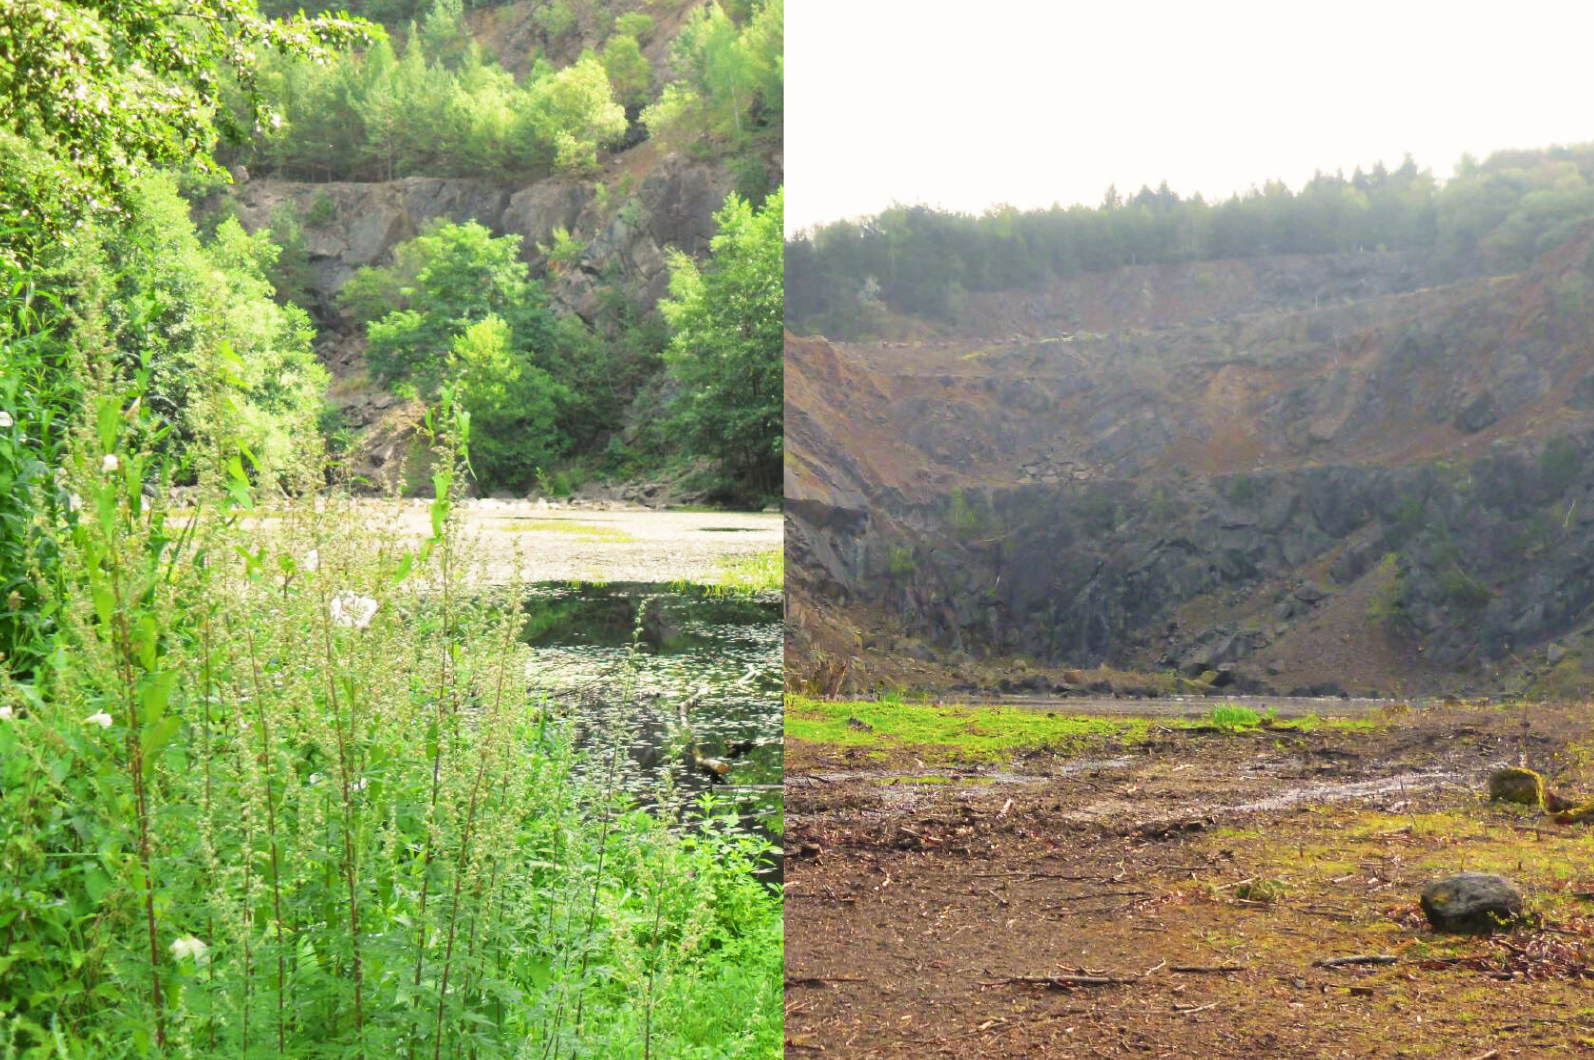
x,y
1206,875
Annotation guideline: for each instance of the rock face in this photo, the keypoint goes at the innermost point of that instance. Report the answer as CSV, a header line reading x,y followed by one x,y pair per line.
x,y
1405,480
1471,903
1521,786
627,238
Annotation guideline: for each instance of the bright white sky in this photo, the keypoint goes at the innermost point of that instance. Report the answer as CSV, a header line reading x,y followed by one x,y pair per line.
x,y
965,105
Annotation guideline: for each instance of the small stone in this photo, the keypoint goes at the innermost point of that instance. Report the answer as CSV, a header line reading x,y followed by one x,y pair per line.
x,y
1471,903
1521,786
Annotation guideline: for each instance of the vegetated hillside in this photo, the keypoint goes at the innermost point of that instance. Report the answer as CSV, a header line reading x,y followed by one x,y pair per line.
x,y
1270,472
602,137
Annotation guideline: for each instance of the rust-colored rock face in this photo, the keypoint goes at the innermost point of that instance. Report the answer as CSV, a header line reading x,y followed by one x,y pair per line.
x,y
1318,471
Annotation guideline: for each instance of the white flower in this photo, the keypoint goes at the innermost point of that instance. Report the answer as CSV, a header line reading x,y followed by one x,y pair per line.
x,y
5,418
102,719
312,560
188,947
109,463
6,713
74,502
351,609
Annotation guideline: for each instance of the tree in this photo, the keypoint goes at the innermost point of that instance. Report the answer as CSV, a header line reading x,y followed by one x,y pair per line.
x,y
440,283
574,111
630,74
726,350
513,404
92,93
728,79
223,361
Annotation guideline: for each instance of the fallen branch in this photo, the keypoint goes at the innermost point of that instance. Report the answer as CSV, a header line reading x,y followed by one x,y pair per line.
x,y
1063,981
1193,1011
823,980
1361,958
1206,969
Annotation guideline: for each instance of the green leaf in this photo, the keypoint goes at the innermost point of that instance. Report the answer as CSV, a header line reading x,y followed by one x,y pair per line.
x,y
107,418
158,736
155,694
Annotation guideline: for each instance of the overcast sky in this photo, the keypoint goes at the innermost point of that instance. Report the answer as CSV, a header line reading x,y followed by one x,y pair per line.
x,y
965,105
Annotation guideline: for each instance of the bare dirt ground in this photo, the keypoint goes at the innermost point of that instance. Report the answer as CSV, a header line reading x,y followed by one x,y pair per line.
x,y
1186,897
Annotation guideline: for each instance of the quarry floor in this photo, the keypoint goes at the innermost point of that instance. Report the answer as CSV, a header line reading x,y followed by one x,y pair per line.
x,y
1179,896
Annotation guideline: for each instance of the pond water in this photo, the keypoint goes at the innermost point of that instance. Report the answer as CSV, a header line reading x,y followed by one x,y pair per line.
x,y
686,680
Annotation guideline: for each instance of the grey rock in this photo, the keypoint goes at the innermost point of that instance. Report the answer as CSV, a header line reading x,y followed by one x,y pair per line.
x,y
1478,413
1471,903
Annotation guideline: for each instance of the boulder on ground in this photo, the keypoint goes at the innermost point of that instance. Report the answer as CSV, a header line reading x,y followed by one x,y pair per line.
x,y
1471,903
1567,812
1521,786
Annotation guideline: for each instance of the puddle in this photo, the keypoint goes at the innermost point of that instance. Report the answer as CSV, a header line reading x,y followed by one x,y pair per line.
x,y
673,674
1356,789
929,779
1405,783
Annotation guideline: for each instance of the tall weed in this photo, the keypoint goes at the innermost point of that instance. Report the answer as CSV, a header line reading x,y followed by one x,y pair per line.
x,y
281,792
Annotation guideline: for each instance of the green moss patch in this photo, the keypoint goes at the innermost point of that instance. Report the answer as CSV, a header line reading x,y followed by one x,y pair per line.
x,y
952,733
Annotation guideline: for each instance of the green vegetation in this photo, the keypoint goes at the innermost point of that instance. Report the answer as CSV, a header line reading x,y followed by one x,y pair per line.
x,y
267,798
584,531
900,563
457,309
1493,216
279,792
727,348
92,95
1388,605
951,733
440,106
983,733
762,572
1233,719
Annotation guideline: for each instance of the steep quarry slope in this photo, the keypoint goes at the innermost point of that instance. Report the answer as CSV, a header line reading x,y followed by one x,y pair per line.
x,y
1295,472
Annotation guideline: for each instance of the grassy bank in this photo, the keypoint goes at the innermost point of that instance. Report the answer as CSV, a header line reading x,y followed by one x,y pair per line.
x,y
953,732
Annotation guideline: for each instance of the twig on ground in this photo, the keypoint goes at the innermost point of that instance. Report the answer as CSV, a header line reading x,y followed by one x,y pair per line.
x,y
1063,981
1361,958
823,980
1088,897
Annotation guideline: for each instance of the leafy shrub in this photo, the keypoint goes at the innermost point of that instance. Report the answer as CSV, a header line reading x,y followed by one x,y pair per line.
x,y
563,252
323,211
1464,590
1388,605
1560,464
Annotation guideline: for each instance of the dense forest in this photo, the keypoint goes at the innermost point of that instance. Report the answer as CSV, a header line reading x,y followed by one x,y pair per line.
x,y
428,99
1492,216
270,782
